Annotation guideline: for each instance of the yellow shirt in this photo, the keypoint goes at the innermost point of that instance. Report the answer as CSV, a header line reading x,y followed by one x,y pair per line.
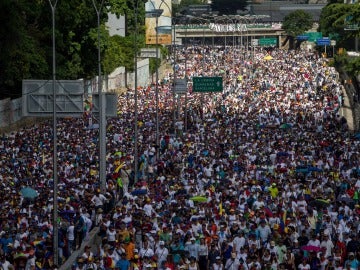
x,y
273,191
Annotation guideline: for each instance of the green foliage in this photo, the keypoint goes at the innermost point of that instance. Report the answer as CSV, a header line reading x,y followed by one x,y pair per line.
x,y
353,66
297,22
228,6
333,19
21,53
26,40
154,64
349,64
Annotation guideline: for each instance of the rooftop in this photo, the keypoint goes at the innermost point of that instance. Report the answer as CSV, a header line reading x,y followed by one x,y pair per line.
x,y
277,10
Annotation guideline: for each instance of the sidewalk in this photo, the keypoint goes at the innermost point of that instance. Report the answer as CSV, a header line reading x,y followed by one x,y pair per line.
x,y
347,111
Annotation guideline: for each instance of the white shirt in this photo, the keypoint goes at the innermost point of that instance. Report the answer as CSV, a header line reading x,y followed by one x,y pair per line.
x,y
161,254
70,233
304,267
146,252
111,235
148,209
5,265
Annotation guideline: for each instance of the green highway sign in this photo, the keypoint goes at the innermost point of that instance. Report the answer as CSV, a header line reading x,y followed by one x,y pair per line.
x,y
313,36
268,41
207,84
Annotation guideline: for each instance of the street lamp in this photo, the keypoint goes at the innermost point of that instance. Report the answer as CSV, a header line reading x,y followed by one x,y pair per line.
x,y
165,29
201,20
55,176
156,13
136,135
102,117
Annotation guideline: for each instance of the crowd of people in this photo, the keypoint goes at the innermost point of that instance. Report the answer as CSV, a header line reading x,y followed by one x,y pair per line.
x,y
264,175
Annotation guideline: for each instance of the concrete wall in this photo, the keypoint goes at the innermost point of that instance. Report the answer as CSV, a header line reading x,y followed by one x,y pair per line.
x,y
10,111
116,80
90,242
354,102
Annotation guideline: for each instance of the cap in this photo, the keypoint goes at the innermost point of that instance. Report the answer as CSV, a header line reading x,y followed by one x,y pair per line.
x,y
161,243
272,243
192,239
351,254
218,258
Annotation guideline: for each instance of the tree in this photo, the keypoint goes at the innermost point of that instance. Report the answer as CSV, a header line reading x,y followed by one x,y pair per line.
x,y
228,7
296,23
333,19
26,40
26,47
21,52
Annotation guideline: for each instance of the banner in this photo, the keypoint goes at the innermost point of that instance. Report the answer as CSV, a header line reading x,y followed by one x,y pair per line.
x,y
164,22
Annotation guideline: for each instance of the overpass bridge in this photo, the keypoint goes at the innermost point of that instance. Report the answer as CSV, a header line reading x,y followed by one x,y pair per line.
x,y
258,34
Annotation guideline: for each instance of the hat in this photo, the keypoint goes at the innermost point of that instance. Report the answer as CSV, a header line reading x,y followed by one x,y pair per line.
x,y
272,243
99,211
161,243
218,258
192,239
233,255
351,254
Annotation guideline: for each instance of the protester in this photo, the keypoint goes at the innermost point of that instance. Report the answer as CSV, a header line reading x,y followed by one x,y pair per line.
x,y
263,175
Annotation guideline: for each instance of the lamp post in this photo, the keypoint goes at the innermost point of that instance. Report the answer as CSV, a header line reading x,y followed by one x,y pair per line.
x,y
201,20
157,13
102,117
136,135
151,14
55,176
186,93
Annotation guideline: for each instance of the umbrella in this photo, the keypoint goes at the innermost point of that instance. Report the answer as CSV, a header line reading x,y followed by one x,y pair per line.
x,y
199,199
137,192
268,211
302,169
29,193
345,199
311,248
282,154
268,57
314,169
324,143
285,126
320,203
260,125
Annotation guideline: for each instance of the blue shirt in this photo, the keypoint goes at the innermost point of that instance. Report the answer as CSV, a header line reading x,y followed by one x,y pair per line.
x,y
122,264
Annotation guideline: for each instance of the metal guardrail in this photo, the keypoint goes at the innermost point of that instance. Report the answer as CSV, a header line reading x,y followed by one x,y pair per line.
x,y
90,242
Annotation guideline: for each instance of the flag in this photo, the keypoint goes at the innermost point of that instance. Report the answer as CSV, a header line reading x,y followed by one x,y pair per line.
x,y
220,209
282,222
119,182
93,172
118,168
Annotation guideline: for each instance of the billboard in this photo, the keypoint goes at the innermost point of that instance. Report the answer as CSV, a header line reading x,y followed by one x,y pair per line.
x,y
164,22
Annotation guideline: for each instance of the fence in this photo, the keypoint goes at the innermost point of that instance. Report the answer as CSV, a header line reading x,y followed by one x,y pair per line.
x,y
11,110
